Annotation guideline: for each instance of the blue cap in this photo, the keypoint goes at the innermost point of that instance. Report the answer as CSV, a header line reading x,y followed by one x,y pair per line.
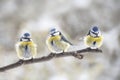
x,y
53,29
26,34
95,29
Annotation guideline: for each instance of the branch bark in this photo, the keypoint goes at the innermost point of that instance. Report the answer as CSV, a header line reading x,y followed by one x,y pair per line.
x,y
76,54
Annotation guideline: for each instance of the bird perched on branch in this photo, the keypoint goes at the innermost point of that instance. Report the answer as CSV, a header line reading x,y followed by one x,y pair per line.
x,y
94,38
26,48
56,42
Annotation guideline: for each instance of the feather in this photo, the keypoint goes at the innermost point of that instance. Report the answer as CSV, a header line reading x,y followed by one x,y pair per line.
x,y
64,39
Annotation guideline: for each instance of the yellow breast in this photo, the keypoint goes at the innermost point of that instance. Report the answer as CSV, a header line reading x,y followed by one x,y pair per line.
x,y
89,41
30,43
59,45
20,49
55,37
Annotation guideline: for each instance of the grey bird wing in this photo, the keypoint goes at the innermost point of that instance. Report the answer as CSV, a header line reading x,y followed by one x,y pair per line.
x,y
64,39
88,32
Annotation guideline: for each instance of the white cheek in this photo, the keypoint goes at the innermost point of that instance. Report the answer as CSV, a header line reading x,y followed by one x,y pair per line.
x,y
31,40
24,39
56,34
92,34
99,34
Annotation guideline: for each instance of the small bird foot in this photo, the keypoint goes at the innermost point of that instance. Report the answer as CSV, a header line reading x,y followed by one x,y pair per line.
x,y
97,49
79,56
88,48
52,54
31,59
21,61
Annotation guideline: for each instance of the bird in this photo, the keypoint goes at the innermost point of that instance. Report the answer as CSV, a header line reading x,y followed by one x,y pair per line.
x,y
25,47
94,38
56,42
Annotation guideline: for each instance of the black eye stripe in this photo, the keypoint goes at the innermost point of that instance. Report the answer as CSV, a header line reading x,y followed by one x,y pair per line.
x,y
26,38
53,34
95,33
21,39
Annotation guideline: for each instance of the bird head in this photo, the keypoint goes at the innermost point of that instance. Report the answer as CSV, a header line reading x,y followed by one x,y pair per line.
x,y
25,37
94,31
54,32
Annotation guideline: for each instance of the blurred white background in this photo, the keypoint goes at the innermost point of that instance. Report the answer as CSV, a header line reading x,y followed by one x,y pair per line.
x,y
73,18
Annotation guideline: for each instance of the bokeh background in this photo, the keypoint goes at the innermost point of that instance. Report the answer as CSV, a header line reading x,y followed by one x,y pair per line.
x,y
74,18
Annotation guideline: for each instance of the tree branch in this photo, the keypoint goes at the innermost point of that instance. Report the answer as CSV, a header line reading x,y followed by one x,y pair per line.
x,y
76,54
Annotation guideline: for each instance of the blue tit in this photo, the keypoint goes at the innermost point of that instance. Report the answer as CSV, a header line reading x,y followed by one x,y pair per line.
x,y
94,38
56,42
26,48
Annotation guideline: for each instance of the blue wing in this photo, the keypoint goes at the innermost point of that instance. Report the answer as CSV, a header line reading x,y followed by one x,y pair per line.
x,y
88,32
64,39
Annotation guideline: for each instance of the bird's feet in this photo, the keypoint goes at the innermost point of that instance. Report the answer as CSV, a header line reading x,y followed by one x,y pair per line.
x,y
88,48
21,61
79,56
52,54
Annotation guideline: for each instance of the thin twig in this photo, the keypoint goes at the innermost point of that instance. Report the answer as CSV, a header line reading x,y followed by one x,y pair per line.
x,y
76,54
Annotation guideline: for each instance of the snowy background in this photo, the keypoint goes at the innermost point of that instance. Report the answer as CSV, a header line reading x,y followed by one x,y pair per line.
x,y
73,18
